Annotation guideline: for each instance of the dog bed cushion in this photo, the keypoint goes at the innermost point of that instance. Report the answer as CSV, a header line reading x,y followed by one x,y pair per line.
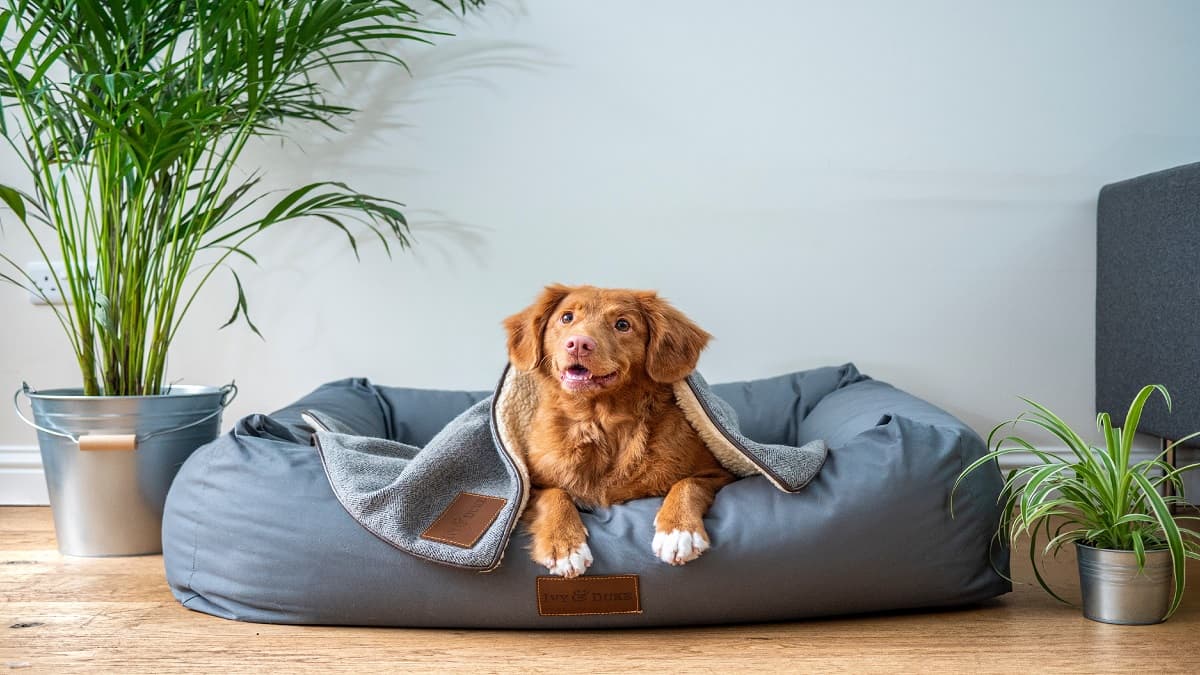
x,y
252,530
457,499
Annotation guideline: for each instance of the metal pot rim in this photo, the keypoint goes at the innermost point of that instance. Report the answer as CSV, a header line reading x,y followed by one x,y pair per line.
x,y
76,393
1122,550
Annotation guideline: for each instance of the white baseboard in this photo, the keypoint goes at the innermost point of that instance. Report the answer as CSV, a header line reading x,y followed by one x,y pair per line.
x,y
22,482
1018,460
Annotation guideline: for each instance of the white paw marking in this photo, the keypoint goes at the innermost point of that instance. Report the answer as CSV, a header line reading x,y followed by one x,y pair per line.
x,y
571,566
679,546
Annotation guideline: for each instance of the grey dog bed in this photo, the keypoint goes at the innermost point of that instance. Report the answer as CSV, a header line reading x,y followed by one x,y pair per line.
x,y
252,530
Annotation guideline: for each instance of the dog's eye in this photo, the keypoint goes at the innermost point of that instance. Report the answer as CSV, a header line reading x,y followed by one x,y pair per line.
x,y
623,325
568,317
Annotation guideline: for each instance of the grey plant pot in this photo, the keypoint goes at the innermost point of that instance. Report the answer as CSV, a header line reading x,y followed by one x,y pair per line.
x,y
109,461
1116,591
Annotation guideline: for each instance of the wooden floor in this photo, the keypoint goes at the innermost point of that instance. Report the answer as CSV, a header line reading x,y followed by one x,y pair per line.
x,y
116,615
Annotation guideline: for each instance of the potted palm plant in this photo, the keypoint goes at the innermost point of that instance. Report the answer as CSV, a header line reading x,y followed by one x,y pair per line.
x,y
129,118
1131,548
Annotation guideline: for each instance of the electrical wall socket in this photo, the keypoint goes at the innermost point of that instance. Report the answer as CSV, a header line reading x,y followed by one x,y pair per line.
x,y
49,281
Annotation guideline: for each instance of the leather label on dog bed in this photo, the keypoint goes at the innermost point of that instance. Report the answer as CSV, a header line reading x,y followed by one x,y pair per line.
x,y
465,520
585,595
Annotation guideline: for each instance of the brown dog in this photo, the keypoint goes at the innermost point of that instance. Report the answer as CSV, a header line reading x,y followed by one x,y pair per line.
x,y
607,428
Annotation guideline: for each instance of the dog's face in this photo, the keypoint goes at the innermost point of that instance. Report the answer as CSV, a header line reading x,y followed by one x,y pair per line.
x,y
594,340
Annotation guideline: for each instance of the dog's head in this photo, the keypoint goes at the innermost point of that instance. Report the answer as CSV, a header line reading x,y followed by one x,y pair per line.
x,y
597,339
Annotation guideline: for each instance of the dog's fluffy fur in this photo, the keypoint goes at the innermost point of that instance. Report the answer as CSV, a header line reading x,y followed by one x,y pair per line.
x,y
607,428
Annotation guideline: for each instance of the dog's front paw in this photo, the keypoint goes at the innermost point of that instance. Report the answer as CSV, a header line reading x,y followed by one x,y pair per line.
x,y
563,559
677,546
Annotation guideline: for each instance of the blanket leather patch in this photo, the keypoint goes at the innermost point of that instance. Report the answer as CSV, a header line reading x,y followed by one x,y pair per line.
x,y
617,594
465,520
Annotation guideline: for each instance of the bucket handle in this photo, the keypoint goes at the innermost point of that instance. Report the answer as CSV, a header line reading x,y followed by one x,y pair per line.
x,y
228,393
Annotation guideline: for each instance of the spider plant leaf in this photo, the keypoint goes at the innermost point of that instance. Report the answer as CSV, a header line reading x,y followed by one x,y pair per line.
x,y
989,458
1134,416
1174,538
1176,443
1106,474
1045,457
1104,425
1060,538
1011,424
1173,474
1034,563
1030,494
1139,549
1069,438
1129,518
1056,424
1045,509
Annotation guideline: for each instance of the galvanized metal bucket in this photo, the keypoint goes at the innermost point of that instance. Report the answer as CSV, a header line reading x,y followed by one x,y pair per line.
x,y
1116,591
109,460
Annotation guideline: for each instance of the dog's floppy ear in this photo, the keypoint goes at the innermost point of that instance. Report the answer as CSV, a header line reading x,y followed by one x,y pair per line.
x,y
675,340
525,328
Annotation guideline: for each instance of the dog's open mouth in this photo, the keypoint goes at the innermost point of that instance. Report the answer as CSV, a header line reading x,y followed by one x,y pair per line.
x,y
577,377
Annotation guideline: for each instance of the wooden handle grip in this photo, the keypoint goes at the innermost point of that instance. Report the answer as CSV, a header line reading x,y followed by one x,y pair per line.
x,y
108,442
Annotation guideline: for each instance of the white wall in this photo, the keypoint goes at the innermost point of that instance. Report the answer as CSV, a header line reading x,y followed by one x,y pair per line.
x,y
910,186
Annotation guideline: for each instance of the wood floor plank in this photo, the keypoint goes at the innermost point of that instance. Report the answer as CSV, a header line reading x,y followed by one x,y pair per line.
x,y
117,615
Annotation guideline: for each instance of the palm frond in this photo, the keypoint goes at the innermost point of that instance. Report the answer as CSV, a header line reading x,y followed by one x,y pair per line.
x,y
131,116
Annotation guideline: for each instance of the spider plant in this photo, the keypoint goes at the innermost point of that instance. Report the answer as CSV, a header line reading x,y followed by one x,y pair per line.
x,y
130,117
1095,496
